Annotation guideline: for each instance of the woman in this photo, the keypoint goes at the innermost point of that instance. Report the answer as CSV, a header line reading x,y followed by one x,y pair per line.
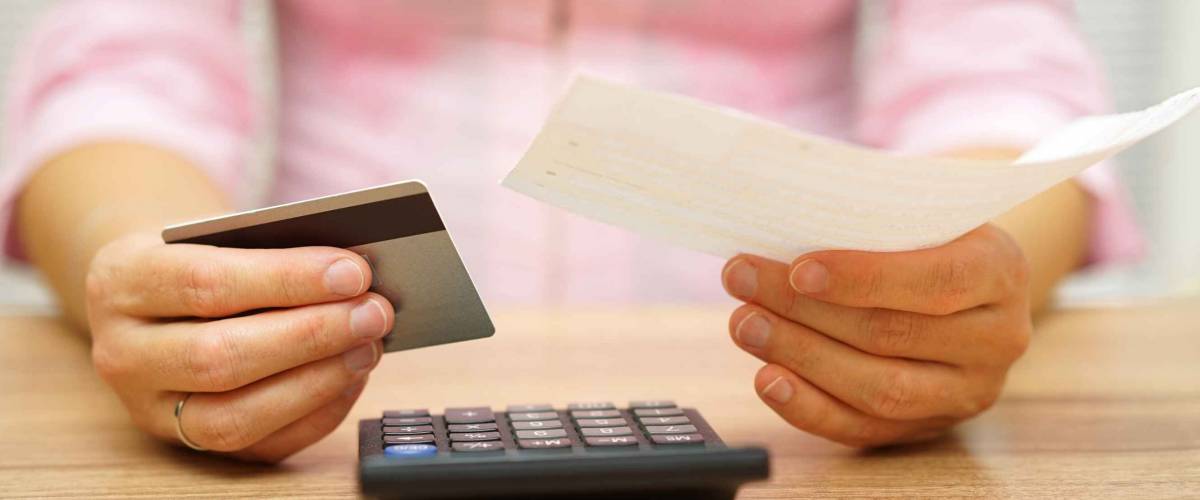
x,y
126,115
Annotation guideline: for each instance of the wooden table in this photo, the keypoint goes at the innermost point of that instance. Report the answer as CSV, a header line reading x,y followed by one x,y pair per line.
x,y
1105,404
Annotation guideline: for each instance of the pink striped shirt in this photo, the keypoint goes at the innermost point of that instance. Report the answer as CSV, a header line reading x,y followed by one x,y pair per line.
x,y
451,93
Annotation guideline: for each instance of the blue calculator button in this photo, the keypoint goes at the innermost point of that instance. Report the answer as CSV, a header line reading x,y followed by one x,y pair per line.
x,y
410,450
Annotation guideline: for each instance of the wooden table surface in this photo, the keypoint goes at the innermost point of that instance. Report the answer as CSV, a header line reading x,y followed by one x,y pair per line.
x,y
1105,404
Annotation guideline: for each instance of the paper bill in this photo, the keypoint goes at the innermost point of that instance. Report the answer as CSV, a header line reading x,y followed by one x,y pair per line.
x,y
724,182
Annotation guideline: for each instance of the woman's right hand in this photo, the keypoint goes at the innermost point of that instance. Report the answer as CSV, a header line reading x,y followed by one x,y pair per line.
x,y
274,346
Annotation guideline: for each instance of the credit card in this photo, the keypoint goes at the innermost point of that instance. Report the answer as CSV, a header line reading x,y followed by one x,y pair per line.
x,y
397,229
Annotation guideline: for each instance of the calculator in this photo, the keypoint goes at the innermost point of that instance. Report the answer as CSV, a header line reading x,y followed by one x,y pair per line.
x,y
652,449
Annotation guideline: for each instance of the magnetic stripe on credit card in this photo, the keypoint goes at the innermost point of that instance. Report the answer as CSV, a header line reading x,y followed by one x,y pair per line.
x,y
342,227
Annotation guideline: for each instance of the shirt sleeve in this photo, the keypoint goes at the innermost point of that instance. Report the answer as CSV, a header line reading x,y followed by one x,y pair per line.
x,y
970,73
166,73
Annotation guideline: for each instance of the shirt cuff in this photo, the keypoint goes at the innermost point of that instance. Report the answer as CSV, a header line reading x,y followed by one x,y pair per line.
x,y
99,112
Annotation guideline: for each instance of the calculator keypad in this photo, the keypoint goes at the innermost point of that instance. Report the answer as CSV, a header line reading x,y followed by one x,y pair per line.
x,y
479,427
478,446
542,433
677,438
472,415
411,450
410,439
599,422
592,406
606,431
657,412
537,424
406,413
596,413
534,415
408,429
474,436
680,420
670,429
544,443
582,426
612,441
407,420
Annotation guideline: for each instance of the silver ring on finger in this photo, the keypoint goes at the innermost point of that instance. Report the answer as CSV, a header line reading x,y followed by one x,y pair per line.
x,y
179,424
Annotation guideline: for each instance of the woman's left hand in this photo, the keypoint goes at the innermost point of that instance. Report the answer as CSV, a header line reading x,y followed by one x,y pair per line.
x,y
870,349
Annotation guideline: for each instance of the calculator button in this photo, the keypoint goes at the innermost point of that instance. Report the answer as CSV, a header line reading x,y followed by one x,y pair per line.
x,y
409,439
592,406
469,415
474,436
420,412
595,413
407,420
606,431
601,422
657,412
648,404
544,443
664,420
670,429
537,415
480,427
611,441
408,429
677,438
410,450
537,424
478,446
541,434
529,408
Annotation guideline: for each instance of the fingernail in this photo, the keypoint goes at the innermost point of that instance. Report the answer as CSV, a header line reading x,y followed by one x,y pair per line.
x,y
345,278
753,330
779,390
809,276
360,358
741,278
368,319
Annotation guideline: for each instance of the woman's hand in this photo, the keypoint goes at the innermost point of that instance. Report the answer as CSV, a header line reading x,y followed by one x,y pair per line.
x,y
871,349
274,345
